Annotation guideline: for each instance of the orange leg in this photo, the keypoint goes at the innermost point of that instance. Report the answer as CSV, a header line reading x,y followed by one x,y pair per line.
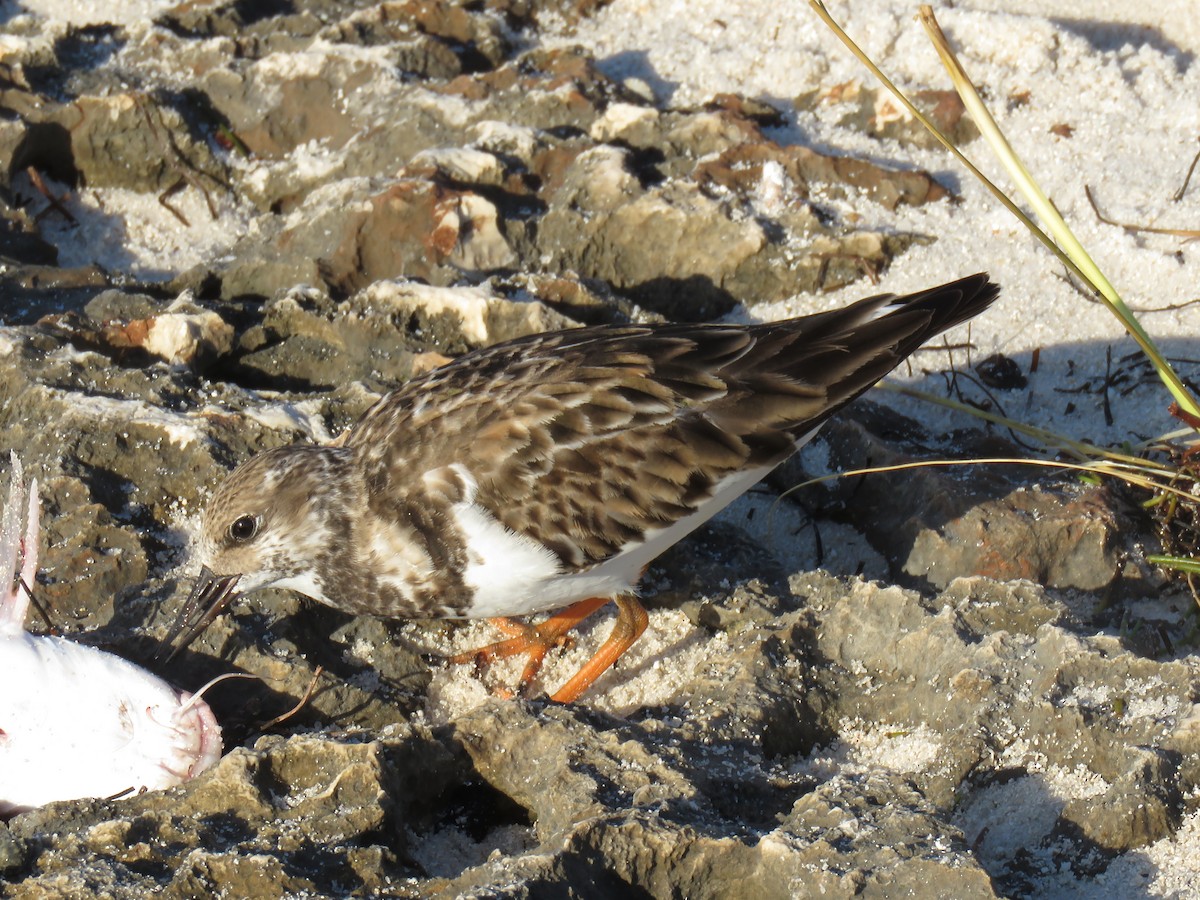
x,y
510,626
631,622
534,640
537,640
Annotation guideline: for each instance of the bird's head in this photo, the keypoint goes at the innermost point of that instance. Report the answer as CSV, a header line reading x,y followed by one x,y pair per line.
x,y
269,524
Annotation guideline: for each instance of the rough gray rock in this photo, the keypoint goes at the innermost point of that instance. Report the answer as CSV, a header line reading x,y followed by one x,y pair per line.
x,y
942,523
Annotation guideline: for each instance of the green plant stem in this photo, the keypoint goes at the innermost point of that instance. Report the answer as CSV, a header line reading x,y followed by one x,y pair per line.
x,y
1182,563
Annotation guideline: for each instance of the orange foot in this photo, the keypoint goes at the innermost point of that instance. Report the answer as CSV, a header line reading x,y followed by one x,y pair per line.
x,y
536,641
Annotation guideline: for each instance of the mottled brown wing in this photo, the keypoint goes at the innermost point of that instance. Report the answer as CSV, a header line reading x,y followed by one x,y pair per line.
x,y
586,439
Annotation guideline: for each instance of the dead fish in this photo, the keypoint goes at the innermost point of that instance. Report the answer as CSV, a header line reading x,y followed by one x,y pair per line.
x,y
76,721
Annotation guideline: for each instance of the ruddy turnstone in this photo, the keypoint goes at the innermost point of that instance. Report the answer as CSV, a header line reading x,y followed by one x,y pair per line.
x,y
545,473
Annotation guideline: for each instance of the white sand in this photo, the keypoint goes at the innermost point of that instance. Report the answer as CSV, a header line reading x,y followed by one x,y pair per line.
x,y
82,12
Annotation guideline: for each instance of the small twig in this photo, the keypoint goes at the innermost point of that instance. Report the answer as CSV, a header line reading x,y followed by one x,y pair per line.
x,y
1178,195
38,606
55,202
1189,233
188,173
312,685
1108,415
1184,416
866,266
810,521
172,190
992,398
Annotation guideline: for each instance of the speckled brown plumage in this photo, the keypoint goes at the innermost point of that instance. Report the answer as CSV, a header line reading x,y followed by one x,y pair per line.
x,y
555,455
585,439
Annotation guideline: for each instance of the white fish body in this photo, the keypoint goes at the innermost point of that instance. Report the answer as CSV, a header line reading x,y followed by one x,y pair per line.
x,y
76,721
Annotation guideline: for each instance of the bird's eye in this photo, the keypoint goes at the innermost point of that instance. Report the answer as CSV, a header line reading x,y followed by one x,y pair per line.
x,y
243,528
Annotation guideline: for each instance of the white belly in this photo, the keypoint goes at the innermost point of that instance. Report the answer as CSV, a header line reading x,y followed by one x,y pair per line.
x,y
513,575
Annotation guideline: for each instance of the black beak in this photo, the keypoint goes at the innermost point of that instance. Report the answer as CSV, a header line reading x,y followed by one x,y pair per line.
x,y
210,594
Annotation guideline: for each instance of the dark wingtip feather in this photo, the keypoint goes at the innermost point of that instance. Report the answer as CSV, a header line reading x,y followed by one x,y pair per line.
x,y
952,303
844,352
